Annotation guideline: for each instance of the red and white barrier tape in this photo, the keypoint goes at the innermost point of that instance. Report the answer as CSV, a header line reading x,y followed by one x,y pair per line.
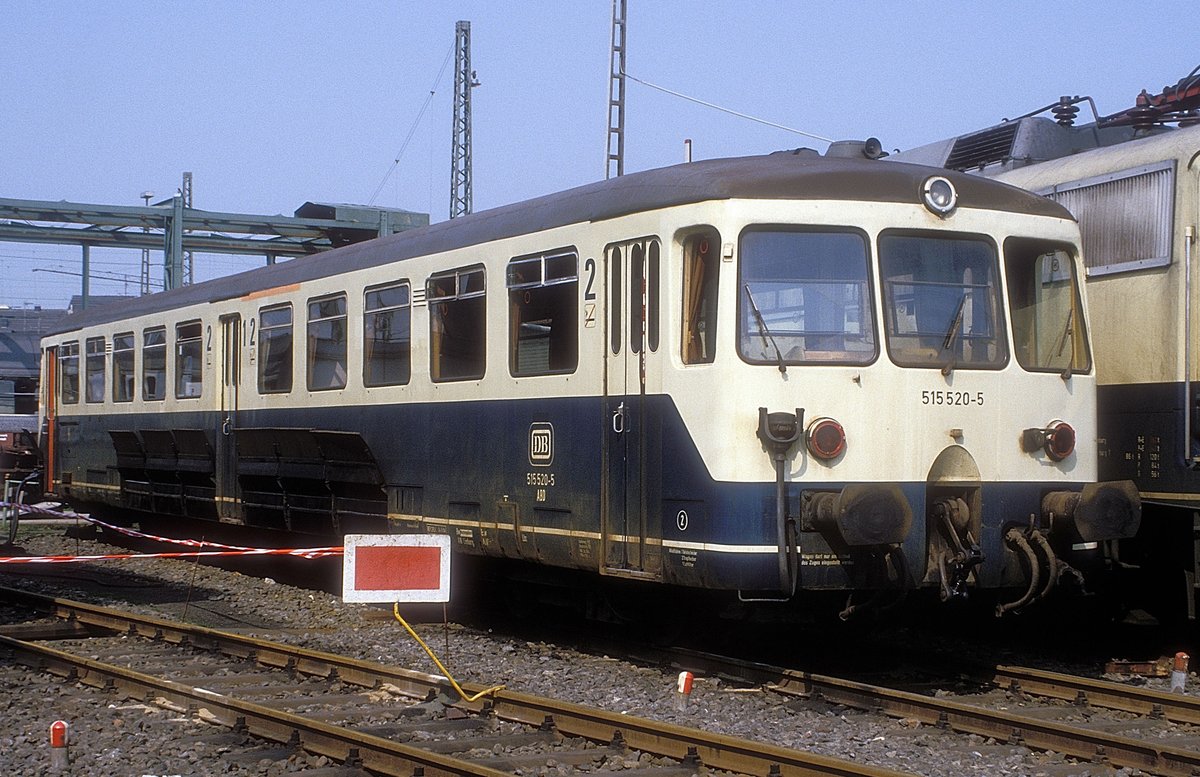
x,y
226,550
142,535
309,553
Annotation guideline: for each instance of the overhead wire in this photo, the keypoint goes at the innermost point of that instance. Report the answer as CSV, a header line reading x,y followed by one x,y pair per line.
x,y
723,109
412,130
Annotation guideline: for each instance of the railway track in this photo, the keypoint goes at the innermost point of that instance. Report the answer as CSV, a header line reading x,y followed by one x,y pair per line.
x,y
377,718
1083,718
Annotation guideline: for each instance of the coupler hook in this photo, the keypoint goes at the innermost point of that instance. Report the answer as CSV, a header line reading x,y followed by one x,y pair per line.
x,y
956,568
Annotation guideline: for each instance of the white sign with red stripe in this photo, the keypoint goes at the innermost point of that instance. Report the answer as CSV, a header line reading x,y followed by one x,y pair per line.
x,y
396,568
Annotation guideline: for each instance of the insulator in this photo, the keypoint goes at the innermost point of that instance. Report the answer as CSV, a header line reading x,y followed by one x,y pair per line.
x,y
1065,113
1142,117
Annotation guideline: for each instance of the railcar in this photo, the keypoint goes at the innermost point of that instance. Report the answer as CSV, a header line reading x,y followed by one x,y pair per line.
x,y
1133,180
759,376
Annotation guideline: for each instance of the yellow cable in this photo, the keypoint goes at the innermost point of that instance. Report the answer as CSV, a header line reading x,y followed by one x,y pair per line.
x,y
421,642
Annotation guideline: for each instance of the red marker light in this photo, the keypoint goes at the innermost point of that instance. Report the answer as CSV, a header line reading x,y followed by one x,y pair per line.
x,y
825,438
1060,441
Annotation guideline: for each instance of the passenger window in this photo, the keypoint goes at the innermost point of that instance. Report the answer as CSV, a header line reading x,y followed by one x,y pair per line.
x,y
124,376
803,297
457,324
387,335
94,368
327,343
543,304
189,360
275,350
154,363
701,268
68,372
1043,293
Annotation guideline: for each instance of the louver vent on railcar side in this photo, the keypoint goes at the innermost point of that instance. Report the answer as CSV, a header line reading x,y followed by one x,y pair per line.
x,y
983,148
1126,218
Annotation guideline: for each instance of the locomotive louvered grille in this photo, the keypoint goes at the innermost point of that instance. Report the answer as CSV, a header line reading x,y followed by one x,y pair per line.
x,y
1125,218
983,148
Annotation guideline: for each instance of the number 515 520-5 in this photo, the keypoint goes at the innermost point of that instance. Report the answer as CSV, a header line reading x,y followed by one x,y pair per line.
x,y
955,398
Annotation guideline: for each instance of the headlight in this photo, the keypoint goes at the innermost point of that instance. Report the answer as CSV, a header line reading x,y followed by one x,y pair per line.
x,y
939,195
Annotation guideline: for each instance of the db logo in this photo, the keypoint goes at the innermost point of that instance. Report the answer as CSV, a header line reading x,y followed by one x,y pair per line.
x,y
541,444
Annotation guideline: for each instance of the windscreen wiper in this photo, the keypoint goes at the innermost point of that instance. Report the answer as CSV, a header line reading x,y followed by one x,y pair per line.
x,y
765,332
1068,333
952,331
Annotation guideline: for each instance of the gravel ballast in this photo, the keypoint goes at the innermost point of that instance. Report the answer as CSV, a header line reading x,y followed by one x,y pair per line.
x,y
121,737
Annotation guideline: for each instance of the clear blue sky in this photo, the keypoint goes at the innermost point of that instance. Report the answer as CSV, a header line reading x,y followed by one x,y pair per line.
x,y
271,104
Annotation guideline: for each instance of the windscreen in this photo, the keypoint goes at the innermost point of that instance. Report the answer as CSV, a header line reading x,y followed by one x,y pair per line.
x,y
804,298
941,298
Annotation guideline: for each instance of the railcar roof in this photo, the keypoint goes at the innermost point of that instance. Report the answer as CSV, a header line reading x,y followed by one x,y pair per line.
x,y
800,174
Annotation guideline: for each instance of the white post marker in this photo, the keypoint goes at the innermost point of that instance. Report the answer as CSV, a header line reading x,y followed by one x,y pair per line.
x,y
396,568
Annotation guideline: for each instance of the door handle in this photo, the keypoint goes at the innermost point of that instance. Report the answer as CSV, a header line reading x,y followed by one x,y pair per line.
x,y
618,419
226,426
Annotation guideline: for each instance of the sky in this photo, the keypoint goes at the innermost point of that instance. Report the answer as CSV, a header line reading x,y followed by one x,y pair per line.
x,y
273,104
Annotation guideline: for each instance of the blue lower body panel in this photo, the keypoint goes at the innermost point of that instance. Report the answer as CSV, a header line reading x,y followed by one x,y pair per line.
x,y
523,479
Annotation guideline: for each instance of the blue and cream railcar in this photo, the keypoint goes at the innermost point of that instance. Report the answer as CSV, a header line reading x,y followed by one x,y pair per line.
x,y
763,375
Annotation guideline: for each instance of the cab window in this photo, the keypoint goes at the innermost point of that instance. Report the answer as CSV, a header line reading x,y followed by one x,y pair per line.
x,y
1044,305
701,269
804,297
941,299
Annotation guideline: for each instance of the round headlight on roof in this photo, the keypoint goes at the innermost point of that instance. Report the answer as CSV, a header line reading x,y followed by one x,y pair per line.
x,y
940,195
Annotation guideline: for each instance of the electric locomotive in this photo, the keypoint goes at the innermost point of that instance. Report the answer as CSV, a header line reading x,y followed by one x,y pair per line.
x,y
761,376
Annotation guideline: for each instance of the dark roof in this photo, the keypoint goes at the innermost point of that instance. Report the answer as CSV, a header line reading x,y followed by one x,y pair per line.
x,y
802,174
95,301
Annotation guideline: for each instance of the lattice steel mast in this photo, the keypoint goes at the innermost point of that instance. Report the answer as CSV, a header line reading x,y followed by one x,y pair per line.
x,y
615,164
189,274
460,155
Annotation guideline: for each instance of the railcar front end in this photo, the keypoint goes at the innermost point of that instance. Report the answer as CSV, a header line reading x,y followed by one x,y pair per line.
x,y
904,397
